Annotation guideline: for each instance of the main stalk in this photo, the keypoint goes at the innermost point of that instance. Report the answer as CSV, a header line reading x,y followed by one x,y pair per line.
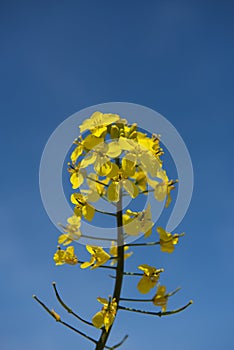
x,y
119,269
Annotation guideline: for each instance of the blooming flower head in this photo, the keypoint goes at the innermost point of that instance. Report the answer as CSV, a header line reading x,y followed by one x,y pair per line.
x,y
167,240
98,257
106,316
149,279
65,256
161,298
72,231
114,253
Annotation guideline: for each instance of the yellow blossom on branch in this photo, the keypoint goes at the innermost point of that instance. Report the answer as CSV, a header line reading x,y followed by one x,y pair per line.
x,y
65,256
141,180
139,155
98,123
82,206
77,176
98,257
97,186
161,298
136,222
106,316
149,279
162,189
167,240
120,179
72,231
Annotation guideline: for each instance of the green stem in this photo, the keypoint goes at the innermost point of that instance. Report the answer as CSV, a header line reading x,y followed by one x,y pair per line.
x,y
136,300
58,319
152,243
160,313
141,244
69,310
98,238
119,270
62,322
101,266
146,191
130,274
105,212
99,182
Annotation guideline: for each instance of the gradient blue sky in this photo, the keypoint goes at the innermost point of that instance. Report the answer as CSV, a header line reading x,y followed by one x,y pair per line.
x,y
58,57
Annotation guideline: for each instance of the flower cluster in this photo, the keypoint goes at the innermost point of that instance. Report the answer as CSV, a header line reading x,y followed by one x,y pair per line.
x,y
110,160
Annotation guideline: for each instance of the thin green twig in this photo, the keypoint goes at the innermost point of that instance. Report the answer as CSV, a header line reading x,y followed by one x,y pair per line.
x,y
105,212
142,244
69,310
137,300
160,313
58,319
99,238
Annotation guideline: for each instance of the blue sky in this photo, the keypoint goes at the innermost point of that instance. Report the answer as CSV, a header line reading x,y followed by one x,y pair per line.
x,y
59,57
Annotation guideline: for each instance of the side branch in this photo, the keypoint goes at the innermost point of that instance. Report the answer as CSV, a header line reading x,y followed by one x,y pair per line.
x,y
68,308
137,300
98,238
160,313
129,274
105,212
58,319
142,244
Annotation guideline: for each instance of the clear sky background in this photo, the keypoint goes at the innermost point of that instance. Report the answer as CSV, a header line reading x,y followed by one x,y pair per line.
x,y
58,57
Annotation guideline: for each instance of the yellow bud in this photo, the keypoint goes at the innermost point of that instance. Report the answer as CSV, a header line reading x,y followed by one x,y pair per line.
x,y
121,130
132,129
133,135
114,132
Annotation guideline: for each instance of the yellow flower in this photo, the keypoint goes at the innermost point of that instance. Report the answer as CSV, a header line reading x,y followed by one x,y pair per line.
x,y
119,178
98,123
136,222
113,191
114,253
86,144
141,156
96,186
152,144
106,316
163,189
167,240
149,279
98,255
77,152
161,298
141,180
65,256
100,158
72,231
82,207
91,141
77,176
